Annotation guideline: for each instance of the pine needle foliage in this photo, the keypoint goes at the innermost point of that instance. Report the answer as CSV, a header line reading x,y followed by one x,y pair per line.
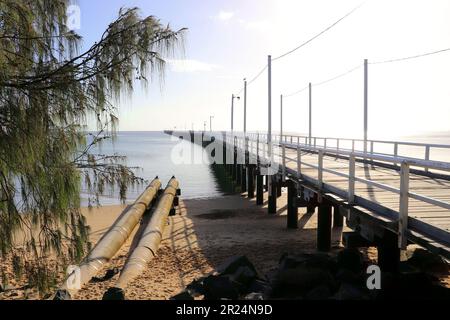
x,y
49,93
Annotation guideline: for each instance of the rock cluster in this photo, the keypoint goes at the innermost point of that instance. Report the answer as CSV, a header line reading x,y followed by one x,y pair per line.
x,y
319,277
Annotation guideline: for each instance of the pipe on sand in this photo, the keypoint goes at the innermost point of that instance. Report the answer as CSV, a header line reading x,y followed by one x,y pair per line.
x,y
109,244
148,244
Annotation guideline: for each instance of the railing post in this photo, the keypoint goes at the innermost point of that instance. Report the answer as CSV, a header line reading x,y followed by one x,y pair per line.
x,y
395,152
257,149
325,143
351,180
283,155
337,146
427,156
353,145
299,162
320,165
404,203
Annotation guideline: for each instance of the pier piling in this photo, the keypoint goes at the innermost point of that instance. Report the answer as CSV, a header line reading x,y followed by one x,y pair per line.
x,y
272,195
259,189
292,215
324,227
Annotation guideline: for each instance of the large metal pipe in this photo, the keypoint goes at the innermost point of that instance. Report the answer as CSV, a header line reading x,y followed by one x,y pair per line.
x,y
148,244
110,243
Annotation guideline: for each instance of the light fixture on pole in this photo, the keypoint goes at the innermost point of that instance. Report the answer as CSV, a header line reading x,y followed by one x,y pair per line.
x,y
232,110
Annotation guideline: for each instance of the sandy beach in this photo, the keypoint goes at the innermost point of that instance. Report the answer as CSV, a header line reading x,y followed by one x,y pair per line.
x,y
202,234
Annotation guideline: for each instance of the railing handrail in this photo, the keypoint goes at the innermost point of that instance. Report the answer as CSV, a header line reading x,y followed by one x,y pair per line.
x,y
405,143
432,164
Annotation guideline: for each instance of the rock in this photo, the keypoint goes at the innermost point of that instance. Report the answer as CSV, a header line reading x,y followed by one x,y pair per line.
x,y
254,296
350,259
322,292
427,261
318,260
114,294
348,276
232,264
349,292
195,288
260,286
182,296
244,276
62,295
298,281
220,287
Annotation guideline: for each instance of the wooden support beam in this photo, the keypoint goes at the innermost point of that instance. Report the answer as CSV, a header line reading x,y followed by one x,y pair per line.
x,y
259,189
324,227
292,215
234,166
279,186
273,196
338,219
243,178
311,208
251,181
388,252
239,175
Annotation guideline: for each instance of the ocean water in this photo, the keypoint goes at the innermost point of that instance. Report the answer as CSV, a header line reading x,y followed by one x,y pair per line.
x,y
152,153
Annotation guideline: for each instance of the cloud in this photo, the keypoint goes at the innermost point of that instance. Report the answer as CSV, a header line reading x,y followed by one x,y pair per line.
x,y
224,15
190,65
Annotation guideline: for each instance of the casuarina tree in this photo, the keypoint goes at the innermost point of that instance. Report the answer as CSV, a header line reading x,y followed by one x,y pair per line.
x,y
50,92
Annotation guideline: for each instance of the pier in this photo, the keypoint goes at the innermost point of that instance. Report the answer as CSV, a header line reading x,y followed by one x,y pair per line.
x,y
388,200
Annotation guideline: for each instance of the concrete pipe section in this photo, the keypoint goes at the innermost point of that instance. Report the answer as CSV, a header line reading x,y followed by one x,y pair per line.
x,y
148,244
109,244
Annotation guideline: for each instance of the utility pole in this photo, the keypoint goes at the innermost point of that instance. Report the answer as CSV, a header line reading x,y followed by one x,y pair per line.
x,y
210,123
366,100
310,113
245,107
281,117
269,131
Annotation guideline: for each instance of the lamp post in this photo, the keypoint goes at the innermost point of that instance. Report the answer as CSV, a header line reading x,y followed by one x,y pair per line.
x,y
210,123
232,110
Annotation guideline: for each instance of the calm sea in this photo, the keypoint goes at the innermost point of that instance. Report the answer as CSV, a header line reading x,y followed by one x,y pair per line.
x,y
151,152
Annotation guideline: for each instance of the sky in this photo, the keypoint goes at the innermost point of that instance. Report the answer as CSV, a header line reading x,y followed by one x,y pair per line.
x,y
228,41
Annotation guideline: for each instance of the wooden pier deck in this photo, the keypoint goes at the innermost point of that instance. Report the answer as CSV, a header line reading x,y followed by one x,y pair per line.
x,y
388,200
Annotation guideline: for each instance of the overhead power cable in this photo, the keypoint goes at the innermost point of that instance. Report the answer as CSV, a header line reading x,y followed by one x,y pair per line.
x,y
319,34
258,75
325,81
296,92
411,57
338,76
